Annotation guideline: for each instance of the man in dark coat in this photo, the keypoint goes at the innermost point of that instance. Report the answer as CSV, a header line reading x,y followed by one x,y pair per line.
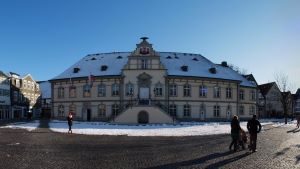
x,y
253,127
235,132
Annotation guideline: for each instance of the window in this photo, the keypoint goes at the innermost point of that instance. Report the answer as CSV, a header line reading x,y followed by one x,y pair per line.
x,y
228,93
252,110
61,92
216,111
186,110
252,95
202,91
24,84
241,94
144,63
144,50
72,91
173,90
16,96
115,89
101,90
158,90
101,110
72,109
115,109
241,110
172,110
61,111
86,90
17,83
129,89
217,91
186,90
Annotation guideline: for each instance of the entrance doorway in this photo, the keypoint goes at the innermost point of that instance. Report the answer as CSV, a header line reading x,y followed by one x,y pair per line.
x,y
88,114
202,115
144,95
143,117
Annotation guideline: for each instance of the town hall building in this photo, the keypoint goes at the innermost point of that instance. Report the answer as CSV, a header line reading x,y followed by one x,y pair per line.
x,y
146,86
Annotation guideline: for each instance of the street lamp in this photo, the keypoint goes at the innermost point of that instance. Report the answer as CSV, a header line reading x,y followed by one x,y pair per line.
x,y
131,95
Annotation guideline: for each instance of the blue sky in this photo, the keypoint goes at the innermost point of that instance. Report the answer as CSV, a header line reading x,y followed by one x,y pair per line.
x,y
45,37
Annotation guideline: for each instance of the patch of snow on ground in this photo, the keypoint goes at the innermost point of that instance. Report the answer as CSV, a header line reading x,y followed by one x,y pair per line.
x,y
181,129
24,125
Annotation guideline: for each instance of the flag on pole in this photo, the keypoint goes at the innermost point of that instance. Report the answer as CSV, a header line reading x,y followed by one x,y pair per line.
x,y
91,79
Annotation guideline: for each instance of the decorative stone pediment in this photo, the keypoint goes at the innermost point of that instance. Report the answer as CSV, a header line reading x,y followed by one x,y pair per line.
x,y
144,49
144,79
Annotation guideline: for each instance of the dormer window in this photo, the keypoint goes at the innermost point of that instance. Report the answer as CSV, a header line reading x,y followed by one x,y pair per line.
x,y
93,58
184,68
195,59
169,57
76,70
104,67
119,57
144,50
213,70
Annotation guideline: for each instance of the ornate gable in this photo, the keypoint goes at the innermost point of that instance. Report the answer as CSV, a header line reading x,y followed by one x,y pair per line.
x,y
144,48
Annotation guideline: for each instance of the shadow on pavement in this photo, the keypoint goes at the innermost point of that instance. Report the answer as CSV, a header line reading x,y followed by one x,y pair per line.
x,y
294,130
203,160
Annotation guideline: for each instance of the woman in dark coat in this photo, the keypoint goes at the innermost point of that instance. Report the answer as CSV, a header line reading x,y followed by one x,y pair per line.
x,y
70,122
235,132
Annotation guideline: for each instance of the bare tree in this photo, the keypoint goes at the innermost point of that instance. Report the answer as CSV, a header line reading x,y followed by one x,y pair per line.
x,y
241,71
284,86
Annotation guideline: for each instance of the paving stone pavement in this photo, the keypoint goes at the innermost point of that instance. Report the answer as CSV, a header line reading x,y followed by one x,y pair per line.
x,y
278,148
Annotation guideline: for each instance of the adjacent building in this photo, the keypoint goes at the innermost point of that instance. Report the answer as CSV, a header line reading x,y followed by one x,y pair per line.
x,y
146,86
297,103
24,94
269,101
5,112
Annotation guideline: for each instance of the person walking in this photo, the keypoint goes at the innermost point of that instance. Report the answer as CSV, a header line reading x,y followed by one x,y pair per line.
x,y
235,132
70,122
253,127
298,120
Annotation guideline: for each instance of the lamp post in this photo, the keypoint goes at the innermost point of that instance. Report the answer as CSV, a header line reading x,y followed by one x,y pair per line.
x,y
131,95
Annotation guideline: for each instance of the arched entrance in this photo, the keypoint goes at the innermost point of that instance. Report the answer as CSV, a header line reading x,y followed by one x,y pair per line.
x,y
143,117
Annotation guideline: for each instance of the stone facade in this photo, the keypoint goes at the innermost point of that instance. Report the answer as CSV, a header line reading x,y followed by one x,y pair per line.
x,y
145,92
5,112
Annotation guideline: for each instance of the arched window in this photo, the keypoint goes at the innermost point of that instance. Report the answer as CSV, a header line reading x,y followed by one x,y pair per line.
x,y
72,91
101,110
129,89
61,111
101,90
158,90
186,110
186,90
86,90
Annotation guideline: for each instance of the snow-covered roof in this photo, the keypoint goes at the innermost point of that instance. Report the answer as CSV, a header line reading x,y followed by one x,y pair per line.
x,y
197,66
45,88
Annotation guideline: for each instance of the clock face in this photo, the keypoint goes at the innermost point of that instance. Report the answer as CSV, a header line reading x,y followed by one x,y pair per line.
x,y
144,50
